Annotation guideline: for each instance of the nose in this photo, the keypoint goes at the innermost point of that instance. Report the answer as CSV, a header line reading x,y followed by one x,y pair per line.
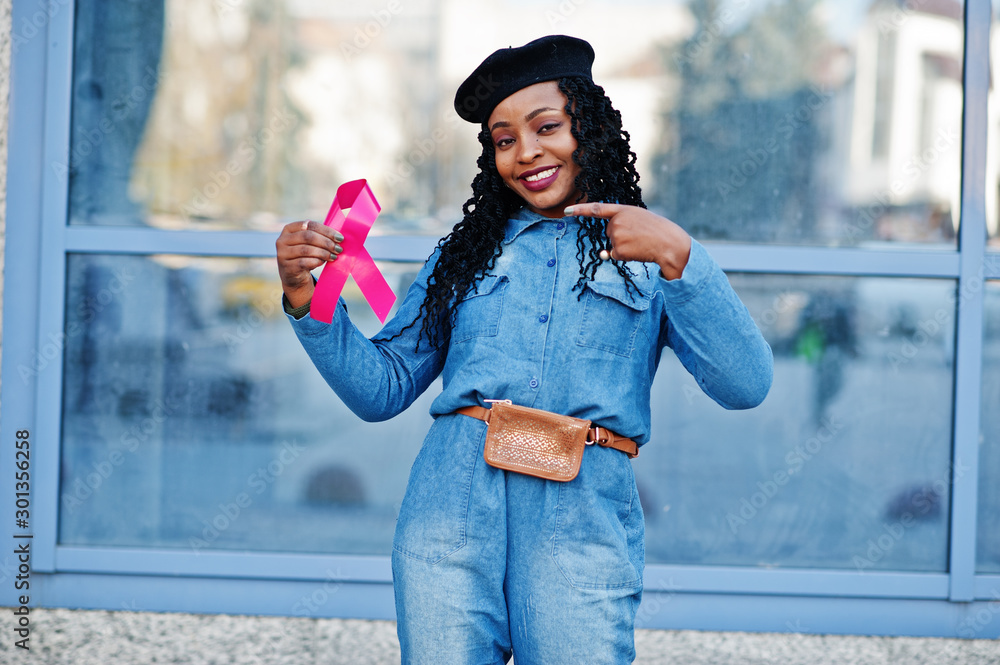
x,y
528,150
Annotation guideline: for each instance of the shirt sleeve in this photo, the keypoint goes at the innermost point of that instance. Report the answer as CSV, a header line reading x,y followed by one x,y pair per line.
x,y
380,377
713,334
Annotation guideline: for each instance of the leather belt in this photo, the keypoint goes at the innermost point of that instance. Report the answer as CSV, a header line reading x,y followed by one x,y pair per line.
x,y
599,435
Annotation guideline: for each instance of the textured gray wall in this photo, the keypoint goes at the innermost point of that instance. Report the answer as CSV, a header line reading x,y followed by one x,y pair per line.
x,y
77,637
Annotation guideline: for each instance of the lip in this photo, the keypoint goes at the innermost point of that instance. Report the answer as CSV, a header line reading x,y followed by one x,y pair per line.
x,y
539,184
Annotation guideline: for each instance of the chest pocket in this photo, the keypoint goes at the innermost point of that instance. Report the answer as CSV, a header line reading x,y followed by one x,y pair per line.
x,y
611,316
479,313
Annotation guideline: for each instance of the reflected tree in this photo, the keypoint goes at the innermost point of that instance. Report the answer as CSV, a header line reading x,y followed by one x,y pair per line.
x,y
739,152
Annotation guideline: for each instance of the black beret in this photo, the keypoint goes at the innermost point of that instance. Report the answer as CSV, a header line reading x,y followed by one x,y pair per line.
x,y
510,69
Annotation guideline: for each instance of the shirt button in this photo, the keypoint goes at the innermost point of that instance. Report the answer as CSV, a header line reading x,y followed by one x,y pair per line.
x,y
552,262
561,225
533,383
543,318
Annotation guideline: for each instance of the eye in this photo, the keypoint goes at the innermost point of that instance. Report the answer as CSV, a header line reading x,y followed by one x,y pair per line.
x,y
503,142
549,127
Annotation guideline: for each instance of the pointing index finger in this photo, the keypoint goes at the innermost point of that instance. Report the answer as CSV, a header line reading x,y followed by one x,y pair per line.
x,y
601,210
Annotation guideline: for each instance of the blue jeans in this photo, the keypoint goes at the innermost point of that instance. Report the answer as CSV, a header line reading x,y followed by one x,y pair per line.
x,y
488,562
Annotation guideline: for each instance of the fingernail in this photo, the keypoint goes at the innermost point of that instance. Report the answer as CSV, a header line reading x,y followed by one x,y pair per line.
x,y
568,212
338,249
333,257
338,236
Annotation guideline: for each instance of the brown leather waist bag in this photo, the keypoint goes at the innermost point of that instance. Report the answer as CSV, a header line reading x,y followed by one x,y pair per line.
x,y
540,443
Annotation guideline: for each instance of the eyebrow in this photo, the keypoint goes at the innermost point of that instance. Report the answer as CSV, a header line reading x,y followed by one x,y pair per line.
x,y
528,118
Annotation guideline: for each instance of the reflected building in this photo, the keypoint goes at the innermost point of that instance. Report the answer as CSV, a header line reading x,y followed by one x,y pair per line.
x,y
853,141
352,92
903,174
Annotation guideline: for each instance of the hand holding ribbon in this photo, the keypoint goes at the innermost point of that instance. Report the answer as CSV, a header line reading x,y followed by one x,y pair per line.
x,y
355,259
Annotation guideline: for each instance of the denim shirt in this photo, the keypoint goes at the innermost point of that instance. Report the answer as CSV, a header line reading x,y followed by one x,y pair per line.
x,y
526,335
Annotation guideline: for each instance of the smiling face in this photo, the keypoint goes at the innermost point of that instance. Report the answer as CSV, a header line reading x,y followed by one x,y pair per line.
x,y
534,148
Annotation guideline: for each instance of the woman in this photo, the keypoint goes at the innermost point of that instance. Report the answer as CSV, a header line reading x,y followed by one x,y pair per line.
x,y
557,290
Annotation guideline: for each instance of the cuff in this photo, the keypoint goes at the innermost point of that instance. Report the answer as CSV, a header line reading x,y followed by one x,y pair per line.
x,y
295,312
697,273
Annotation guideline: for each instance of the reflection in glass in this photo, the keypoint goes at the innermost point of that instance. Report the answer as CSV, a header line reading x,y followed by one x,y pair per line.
x,y
814,122
845,464
993,138
192,418
988,534
788,121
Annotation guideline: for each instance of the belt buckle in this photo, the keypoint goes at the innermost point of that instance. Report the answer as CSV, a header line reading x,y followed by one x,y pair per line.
x,y
595,431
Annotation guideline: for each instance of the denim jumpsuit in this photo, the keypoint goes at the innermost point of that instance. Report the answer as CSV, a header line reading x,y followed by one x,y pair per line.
x,y
487,562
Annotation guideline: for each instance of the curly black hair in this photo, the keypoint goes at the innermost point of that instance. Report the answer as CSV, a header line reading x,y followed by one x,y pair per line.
x,y
607,173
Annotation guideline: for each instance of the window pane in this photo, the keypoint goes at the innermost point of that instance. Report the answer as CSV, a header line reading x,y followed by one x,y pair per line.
x,y
844,465
192,418
816,123
988,541
993,136
788,121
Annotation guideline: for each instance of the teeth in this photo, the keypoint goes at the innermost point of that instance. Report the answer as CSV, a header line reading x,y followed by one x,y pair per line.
x,y
542,175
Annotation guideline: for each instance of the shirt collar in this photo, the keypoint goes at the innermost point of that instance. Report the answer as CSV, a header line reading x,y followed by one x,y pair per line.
x,y
521,220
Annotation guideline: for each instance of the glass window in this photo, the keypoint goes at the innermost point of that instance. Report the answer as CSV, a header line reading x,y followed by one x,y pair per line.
x,y
786,121
192,417
814,123
993,140
988,540
845,464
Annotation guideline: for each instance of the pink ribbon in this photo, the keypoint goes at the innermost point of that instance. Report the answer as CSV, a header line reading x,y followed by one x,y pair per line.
x,y
355,259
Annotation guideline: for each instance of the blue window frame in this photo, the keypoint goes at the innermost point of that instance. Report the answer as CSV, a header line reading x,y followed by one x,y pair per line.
x,y
949,594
